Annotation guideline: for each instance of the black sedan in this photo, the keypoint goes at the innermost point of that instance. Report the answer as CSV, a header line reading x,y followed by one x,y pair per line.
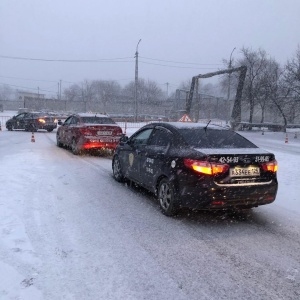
x,y
32,121
197,166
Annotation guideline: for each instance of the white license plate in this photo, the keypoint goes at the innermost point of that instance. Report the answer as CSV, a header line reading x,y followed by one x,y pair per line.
x,y
242,172
104,132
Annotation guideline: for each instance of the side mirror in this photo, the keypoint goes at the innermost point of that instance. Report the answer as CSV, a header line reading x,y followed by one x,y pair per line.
x,y
14,117
124,138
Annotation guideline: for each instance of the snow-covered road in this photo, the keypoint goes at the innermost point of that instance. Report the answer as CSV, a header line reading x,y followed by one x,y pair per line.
x,y
69,231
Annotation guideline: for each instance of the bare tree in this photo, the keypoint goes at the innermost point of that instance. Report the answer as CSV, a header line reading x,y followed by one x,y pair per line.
x,y
7,93
148,92
292,73
73,93
105,91
256,62
265,92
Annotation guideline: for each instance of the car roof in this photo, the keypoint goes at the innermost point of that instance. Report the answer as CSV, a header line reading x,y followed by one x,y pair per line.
x,y
91,115
189,125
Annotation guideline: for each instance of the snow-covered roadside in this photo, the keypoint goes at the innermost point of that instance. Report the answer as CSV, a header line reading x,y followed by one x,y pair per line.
x,y
60,241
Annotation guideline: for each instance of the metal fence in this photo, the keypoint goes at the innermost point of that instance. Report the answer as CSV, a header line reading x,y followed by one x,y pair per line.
x,y
3,120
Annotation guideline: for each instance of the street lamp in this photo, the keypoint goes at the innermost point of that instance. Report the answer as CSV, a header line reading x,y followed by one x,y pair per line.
x,y
229,86
136,83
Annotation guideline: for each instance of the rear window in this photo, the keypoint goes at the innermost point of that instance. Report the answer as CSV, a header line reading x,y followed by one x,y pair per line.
x,y
210,138
97,120
40,115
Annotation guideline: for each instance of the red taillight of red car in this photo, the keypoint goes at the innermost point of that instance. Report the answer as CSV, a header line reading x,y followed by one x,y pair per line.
x,y
205,167
271,166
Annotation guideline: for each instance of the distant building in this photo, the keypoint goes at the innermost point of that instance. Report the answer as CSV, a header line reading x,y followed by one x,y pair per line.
x,y
22,95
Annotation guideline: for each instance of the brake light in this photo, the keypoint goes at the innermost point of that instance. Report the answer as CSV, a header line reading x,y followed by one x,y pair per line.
x,y
42,121
271,166
205,167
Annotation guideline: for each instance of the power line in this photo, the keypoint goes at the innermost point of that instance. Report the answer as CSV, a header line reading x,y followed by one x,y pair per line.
x,y
179,67
180,62
27,79
117,59
121,59
23,87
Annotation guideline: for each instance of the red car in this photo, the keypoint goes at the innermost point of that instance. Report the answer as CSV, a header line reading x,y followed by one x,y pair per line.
x,y
86,131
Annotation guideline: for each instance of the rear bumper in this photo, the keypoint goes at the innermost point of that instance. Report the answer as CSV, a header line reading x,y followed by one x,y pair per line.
x,y
97,145
47,127
216,197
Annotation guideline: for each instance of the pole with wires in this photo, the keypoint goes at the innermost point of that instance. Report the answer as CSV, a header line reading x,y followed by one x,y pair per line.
x,y
136,83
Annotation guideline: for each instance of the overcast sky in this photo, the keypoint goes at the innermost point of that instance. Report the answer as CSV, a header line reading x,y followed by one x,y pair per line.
x,y
179,39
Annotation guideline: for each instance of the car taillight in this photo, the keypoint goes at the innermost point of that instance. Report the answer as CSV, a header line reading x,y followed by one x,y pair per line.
x,y
205,167
42,121
85,131
271,166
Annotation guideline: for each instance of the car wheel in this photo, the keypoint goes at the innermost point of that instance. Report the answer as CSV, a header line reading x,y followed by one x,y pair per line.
x,y
58,142
49,130
166,198
10,127
117,171
74,147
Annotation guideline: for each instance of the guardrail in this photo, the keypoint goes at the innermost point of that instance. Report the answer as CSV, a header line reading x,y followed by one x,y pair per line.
x,y
268,126
3,120
132,125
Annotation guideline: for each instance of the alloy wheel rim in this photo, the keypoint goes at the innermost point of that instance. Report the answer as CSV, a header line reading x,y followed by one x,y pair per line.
x,y
117,168
73,146
165,196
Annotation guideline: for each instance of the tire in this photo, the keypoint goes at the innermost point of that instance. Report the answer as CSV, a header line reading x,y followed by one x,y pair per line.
x,y
166,197
117,170
10,127
58,142
74,147
49,130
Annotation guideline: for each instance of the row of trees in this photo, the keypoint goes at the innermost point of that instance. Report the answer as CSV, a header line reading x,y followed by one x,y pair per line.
x,y
111,91
269,87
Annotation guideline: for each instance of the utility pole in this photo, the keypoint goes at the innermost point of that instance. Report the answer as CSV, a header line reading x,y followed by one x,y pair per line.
x,y
167,84
229,87
197,106
60,90
136,83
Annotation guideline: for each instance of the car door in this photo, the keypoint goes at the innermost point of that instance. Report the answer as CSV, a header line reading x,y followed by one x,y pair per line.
x,y
19,121
64,131
132,153
72,131
154,156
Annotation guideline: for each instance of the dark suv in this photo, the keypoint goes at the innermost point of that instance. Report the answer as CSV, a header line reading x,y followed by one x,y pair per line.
x,y
32,121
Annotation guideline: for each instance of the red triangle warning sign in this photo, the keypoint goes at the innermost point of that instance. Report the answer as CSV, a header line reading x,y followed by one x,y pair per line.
x,y
185,118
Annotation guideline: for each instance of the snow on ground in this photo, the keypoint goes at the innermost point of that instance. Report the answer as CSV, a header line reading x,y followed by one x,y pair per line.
x,y
42,257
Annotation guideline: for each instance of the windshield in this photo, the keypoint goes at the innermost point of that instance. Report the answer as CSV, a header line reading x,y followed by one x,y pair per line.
x,y
211,138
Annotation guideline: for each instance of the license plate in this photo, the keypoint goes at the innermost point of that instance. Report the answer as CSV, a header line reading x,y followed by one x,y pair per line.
x,y
104,132
242,172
